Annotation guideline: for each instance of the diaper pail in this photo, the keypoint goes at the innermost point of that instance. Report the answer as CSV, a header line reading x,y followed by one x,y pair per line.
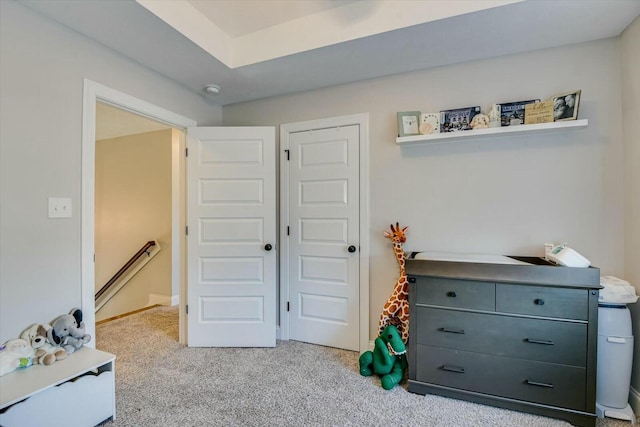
x,y
615,349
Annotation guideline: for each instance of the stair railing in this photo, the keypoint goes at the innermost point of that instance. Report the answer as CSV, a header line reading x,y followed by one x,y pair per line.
x,y
146,249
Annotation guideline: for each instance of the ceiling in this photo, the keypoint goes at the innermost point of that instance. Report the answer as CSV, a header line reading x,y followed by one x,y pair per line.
x,y
255,49
113,122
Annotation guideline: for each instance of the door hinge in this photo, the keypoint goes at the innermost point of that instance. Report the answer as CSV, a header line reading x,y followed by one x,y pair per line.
x,y
186,230
94,257
186,152
287,230
187,307
288,307
287,151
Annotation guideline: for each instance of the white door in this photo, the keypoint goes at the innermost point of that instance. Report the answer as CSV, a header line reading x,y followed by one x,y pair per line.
x,y
324,236
231,204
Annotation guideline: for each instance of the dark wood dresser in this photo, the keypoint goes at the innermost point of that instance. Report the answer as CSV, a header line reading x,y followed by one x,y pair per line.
x,y
522,337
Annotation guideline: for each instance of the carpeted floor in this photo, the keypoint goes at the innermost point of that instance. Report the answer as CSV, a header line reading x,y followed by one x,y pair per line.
x,y
162,383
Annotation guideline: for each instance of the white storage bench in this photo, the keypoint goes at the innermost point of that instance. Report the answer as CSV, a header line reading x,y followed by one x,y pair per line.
x,y
77,391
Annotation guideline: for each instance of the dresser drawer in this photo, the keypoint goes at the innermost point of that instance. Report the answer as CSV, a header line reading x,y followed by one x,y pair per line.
x,y
543,301
538,382
455,293
534,339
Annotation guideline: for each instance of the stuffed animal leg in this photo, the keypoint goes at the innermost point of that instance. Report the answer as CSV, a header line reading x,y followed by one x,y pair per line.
x,y
395,376
366,364
379,360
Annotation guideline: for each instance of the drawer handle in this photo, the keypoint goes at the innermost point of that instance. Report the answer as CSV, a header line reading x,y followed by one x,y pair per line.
x,y
450,368
451,294
539,384
534,341
538,301
452,331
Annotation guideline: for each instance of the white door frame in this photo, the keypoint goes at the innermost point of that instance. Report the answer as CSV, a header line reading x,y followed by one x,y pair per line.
x,y
362,120
93,92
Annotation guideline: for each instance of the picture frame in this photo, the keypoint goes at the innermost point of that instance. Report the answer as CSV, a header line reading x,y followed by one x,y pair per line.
x,y
409,123
458,119
513,113
562,110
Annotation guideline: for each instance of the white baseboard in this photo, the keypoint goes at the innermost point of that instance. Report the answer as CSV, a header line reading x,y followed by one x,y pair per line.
x,y
634,400
163,299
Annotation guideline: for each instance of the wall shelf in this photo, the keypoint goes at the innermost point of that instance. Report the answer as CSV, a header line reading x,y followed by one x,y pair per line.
x,y
493,132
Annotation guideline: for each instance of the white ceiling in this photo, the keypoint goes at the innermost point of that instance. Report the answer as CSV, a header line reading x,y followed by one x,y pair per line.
x,y
113,122
239,18
255,49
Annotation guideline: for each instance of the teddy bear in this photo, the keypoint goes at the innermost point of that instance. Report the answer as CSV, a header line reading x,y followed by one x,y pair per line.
x,y
45,352
388,358
479,121
68,331
14,354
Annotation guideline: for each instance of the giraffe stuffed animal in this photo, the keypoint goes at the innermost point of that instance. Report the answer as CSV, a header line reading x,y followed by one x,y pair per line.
x,y
396,309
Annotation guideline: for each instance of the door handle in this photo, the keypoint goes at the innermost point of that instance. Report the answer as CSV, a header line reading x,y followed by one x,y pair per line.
x,y
268,247
351,249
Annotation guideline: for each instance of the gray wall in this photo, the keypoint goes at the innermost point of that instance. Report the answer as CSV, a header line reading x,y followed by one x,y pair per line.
x,y
630,50
504,196
42,67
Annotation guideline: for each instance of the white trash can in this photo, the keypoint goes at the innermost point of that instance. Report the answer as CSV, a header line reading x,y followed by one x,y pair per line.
x,y
615,349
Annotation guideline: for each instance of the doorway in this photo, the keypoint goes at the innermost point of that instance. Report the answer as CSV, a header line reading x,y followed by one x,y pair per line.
x,y
93,93
133,227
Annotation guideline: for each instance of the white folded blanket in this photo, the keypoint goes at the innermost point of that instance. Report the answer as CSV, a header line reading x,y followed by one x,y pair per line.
x,y
616,291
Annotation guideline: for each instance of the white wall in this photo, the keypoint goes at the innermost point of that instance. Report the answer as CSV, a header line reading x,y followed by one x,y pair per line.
x,y
630,54
504,196
133,206
42,67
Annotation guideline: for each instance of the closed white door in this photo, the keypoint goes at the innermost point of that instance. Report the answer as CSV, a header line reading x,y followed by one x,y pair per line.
x,y
324,236
231,254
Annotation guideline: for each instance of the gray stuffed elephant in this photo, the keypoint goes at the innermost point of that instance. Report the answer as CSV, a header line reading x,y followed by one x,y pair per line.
x,y
68,331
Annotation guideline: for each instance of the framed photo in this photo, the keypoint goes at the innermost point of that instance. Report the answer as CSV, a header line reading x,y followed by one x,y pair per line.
x,y
512,113
565,106
457,119
408,123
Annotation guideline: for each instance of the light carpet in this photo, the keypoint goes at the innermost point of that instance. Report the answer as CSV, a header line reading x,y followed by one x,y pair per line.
x,y
162,383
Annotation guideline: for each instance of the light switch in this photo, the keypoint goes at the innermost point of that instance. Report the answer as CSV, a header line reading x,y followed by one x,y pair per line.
x,y
59,207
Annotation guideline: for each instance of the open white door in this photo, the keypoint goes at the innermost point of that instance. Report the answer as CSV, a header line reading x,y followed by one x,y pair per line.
x,y
231,256
324,241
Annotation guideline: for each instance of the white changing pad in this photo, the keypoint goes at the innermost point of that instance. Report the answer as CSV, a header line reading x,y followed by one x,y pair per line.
x,y
616,291
461,257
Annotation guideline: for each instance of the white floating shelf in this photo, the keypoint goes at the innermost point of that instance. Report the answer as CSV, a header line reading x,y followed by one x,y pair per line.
x,y
492,132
